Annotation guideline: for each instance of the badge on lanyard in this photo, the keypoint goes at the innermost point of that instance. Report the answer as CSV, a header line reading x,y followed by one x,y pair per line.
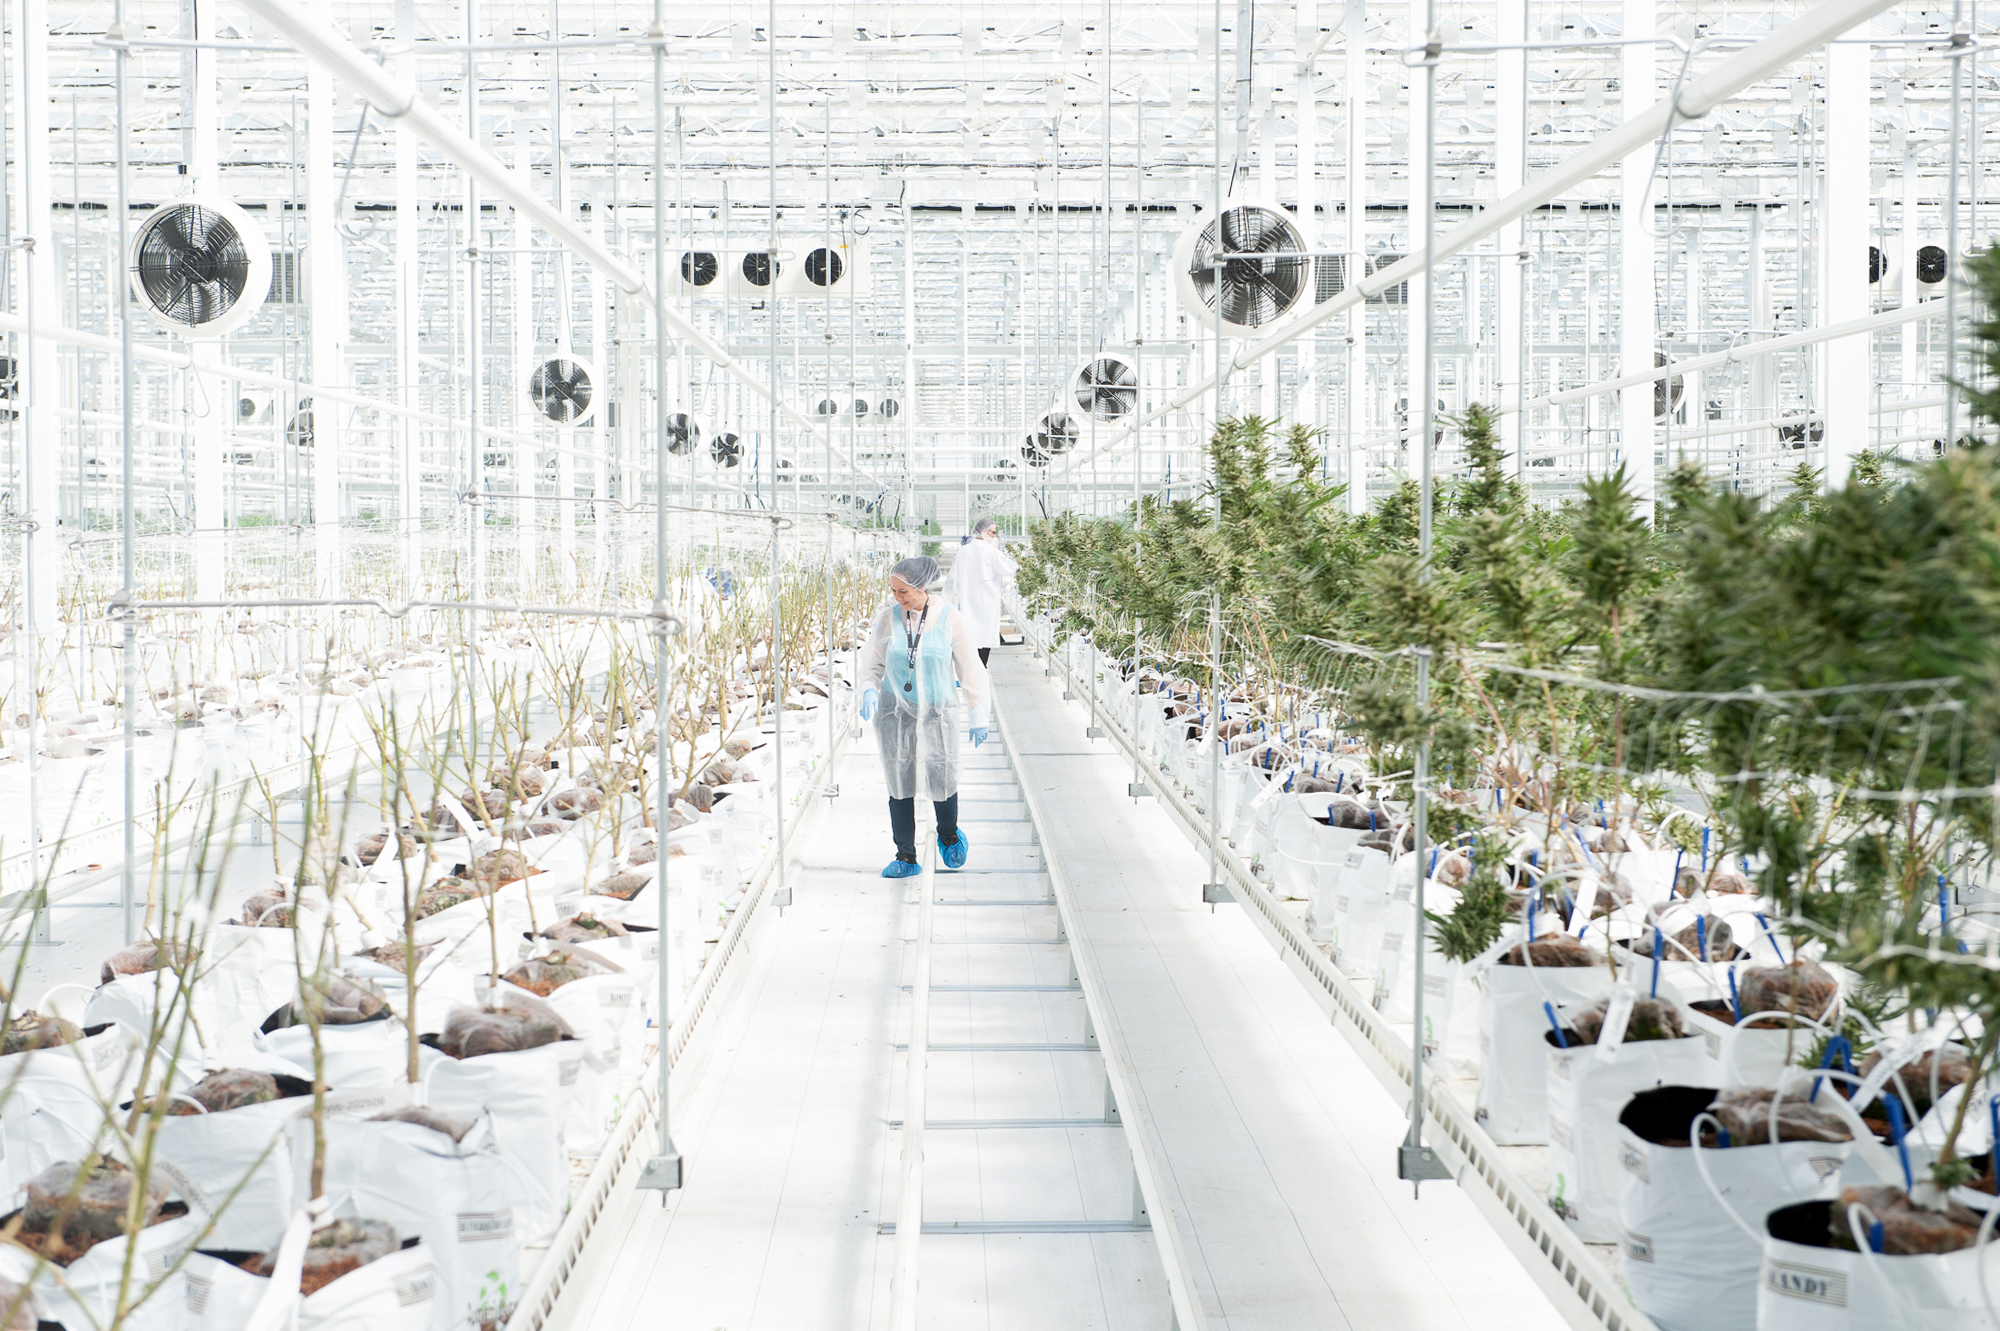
x,y
914,641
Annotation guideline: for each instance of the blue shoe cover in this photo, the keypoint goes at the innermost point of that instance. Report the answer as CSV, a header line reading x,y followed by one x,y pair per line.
x,y
904,869
954,856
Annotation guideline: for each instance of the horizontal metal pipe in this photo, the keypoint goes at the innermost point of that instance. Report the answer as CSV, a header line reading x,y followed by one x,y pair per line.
x,y
398,100
1806,33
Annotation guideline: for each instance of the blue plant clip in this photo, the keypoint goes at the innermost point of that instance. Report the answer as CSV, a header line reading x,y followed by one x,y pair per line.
x,y
1895,1108
1701,934
1554,1025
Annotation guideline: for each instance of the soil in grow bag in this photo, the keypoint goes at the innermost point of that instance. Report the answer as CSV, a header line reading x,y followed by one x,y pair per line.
x,y
583,929
496,868
701,797
1948,1065
454,1128
269,909
1710,938
1801,988
339,1249
372,848
1745,1114
1908,1230
1651,1019
470,1032
545,827
577,801
643,853
231,1088
1386,840
528,781
543,975
345,1002
1557,950
1721,881
73,1206
624,886
31,1030
446,893
139,959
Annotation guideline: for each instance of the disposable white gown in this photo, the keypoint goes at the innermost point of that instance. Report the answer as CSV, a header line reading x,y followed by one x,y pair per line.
x,y
980,576
916,728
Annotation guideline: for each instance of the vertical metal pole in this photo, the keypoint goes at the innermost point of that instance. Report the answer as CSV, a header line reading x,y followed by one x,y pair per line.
x,y
1138,786
832,786
1355,374
36,380
1415,1161
663,1171
1960,37
783,892
475,388
127,581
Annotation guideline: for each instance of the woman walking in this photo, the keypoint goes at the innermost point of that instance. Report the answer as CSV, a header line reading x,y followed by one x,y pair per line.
x,y
920,656
980,577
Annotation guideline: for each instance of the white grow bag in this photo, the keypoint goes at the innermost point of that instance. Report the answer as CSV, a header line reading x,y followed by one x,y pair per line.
x,y
1687,1264
1513,1083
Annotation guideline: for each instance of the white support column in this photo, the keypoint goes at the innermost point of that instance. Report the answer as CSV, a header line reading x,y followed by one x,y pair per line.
x,y
1353,409
1305,405
1638,300
1844,256
1906,265
600,428
207,430
1510,104
42,301
327,319
408,298
527,461
1422,196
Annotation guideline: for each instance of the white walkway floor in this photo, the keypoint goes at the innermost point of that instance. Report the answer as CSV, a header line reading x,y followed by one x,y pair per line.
x,y
1278,1144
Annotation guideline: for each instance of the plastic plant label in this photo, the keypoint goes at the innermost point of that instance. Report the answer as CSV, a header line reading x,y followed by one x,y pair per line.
x,y
1617,1015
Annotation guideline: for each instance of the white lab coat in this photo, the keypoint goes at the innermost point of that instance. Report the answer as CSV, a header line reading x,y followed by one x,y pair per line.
x,y
980,578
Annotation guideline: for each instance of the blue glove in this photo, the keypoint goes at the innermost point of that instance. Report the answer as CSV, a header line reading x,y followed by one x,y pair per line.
x,y
868,700
978,736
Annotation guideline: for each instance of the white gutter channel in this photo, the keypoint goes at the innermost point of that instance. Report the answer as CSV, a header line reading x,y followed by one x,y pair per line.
x,y
399,101
1805,33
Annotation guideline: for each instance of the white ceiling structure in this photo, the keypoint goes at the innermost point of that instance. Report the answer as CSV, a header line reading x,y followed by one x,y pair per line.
x,y
1003,187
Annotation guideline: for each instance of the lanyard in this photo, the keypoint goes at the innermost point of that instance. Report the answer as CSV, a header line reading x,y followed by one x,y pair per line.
x,y
915,640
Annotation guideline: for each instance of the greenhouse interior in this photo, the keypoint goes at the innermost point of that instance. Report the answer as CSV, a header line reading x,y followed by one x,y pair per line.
x,y
595,593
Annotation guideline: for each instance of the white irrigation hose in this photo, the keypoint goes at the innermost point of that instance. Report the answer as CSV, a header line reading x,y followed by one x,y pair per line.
x,y
1701,1167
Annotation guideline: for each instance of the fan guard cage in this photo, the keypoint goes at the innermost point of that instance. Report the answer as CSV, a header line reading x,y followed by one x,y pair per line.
x,y
1107,389
1249,293
726,450
201,266
563,389
683,434
824,267
699,268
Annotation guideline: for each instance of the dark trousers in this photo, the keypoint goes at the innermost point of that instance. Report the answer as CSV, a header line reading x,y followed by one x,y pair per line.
x,y
903,825
984,652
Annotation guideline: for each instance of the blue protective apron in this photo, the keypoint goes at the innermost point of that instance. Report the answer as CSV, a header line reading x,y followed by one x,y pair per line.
x,y
915,728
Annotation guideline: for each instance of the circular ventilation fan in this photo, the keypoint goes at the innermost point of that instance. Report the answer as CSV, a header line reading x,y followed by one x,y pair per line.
x,y
1034,450
563,389
10,384
860,408
699,268
824,267
889,408
1246,293
1106,389
1666,392
759,269
1932,263
726,450
1055,433
1004,470
201,266
1878,264
826,406
299,429
683,435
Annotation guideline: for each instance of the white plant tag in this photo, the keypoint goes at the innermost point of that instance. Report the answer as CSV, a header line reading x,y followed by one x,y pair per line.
x,y
1617,1016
